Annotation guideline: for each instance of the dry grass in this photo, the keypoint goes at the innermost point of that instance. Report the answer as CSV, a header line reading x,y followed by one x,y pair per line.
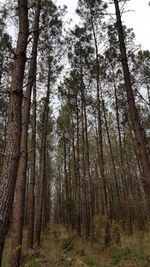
x,y
61,249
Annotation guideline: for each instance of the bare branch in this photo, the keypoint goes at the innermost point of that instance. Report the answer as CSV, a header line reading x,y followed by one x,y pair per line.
x,y
39,29
142,97
29,81
11,49
34,4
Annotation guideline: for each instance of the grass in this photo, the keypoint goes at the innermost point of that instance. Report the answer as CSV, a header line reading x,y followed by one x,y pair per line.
x,y
33,259
133,251
92,262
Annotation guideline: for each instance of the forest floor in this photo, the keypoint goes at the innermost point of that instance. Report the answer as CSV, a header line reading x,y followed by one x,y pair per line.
x,y
61,249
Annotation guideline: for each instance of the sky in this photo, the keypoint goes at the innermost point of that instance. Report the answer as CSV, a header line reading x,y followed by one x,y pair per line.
x,y
138,18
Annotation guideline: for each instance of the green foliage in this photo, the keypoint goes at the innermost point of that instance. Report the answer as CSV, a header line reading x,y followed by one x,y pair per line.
x,y
134,255
33,259
92,262
119,254
133,250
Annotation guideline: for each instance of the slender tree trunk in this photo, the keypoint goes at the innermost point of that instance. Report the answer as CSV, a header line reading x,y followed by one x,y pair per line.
x,y
12,149
45,198
100,183
121,154
100,138
66,189
74,182
84,186
78,198
135,120
118,119
31,199
87,161
49,191
38,222
112,160
18,216
70,186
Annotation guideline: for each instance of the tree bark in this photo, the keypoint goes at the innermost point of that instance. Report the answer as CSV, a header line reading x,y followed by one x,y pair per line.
x,y
31,199
78,194
135,119
18,216
12,148
90,223
100,137
38,221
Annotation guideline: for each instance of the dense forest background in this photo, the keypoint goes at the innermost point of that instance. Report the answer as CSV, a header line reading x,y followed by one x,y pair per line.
x,y
74,124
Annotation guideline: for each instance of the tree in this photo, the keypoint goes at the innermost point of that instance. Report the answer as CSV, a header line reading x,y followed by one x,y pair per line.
x,y
12,148
92,13
31,187
18,212
5,75
51,46
135,119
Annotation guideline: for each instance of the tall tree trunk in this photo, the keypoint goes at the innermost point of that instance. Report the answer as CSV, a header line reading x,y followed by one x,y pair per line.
x,y
112,160
12,148
45,211
84,186
135,119
74,183
38,222
100,137
78,194
18,216
87,165
49,175
70,185
66,189
31,200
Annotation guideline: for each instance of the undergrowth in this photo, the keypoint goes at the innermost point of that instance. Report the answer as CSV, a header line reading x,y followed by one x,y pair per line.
x,y
92,262
58,246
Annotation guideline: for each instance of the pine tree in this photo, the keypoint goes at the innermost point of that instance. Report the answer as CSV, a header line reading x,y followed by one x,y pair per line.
x,y
18,212
13,138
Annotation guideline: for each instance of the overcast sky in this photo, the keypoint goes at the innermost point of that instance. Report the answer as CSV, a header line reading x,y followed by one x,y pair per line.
x,y
138,18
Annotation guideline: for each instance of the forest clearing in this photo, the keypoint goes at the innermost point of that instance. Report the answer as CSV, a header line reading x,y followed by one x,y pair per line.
x,y
74,136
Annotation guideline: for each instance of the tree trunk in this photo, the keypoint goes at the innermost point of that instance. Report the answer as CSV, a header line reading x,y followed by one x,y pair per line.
x,y
66,189
38,222
12,148
90,222
31,199
100,138
78,194
135,120
112,160
18,216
